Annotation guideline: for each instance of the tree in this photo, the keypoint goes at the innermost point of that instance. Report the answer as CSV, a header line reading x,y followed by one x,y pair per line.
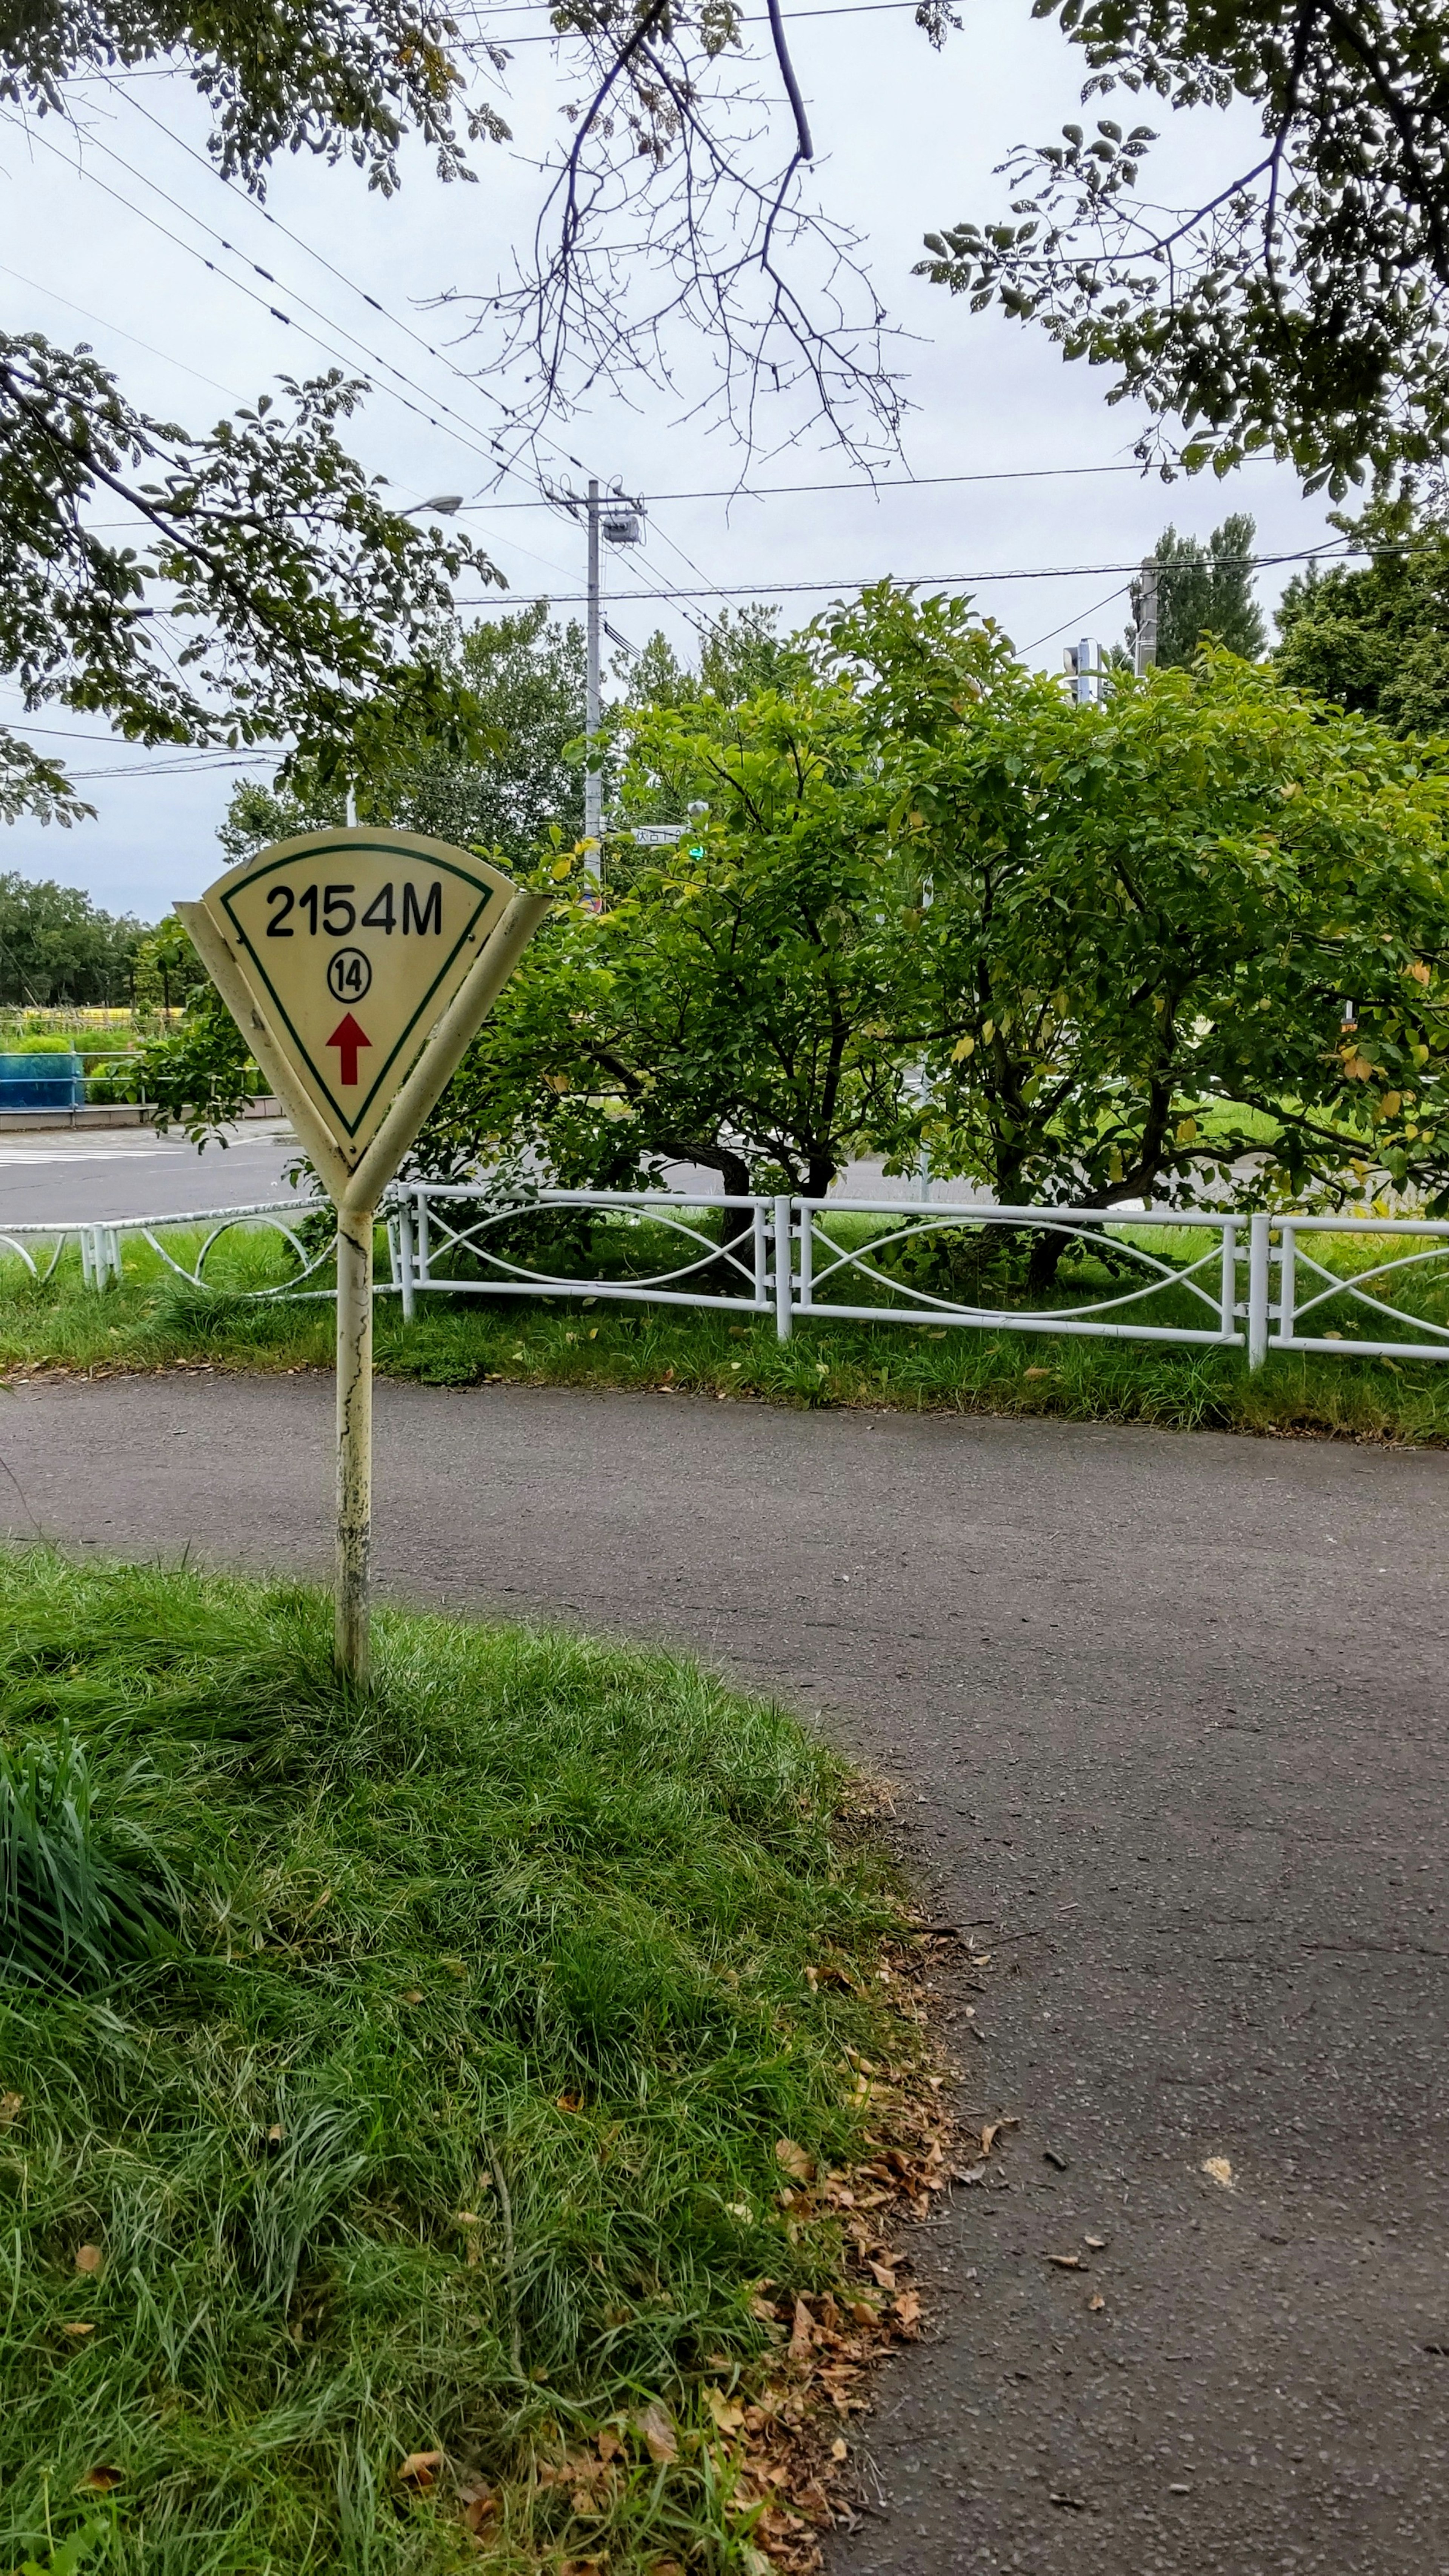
x,y
333,77
1203,590
166,972
274,593
57,946
1299,308
740,655
1376,640
524,679
726,1007
1191,935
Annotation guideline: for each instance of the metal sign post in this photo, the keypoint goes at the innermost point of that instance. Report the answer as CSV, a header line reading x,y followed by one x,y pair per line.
x,y
359,965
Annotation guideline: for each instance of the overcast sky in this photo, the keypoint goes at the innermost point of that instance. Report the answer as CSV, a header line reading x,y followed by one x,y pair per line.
x,y
906,140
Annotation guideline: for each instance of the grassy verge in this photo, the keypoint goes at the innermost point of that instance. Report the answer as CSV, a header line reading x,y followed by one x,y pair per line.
x,y
151,1323
424,2120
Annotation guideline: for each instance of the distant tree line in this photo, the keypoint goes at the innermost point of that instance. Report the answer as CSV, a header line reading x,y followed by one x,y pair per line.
x,y
56,946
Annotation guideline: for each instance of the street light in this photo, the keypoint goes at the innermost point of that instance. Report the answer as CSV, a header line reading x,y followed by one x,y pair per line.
x,y
444,503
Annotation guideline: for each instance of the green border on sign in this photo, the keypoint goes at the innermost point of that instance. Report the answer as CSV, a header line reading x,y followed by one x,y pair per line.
x,y
356,849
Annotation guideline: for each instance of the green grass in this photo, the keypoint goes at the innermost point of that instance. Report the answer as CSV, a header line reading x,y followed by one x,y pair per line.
x,y
153,1321
436,2109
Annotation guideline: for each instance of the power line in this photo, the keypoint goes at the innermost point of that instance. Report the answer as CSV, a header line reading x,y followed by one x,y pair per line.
x,y
398,322
240,286
148,345
1069,622
954,580
545,501
904,483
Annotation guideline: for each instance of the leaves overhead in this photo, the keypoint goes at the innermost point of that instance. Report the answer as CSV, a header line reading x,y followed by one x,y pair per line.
x,y
1297,305
339,78
271,594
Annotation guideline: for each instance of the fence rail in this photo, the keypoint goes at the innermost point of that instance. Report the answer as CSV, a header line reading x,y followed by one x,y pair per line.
x,y
1257,1283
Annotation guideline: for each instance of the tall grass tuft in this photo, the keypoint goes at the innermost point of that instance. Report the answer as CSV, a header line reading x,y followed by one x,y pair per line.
x,y
73,1900
443,2115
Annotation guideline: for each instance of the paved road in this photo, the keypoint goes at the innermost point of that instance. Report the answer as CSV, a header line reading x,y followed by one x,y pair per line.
x,y
71,1175
1170,1712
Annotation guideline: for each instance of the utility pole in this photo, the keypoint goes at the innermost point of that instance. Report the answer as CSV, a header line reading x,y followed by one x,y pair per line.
x,y
593,783
1145,653
614,518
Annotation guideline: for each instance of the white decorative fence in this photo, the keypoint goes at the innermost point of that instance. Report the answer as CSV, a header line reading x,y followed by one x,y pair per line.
x,y
1257,1283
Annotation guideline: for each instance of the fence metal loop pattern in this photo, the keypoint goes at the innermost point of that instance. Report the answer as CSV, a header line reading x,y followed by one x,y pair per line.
x,y
1071,1224
100,1245
782,1254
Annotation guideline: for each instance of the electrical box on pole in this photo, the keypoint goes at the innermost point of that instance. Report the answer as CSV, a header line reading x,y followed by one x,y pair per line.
x,y
358,965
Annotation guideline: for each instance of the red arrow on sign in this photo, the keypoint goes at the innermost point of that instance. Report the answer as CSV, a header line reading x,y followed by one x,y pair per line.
x,y
347,1037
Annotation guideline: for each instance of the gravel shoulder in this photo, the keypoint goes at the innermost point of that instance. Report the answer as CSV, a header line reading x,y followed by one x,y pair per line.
x,y
1165,1719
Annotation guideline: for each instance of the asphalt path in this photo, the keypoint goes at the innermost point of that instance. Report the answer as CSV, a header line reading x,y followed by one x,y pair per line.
x,y
1164,1716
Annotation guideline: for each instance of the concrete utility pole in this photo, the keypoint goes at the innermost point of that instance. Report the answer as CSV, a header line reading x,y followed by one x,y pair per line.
x,y
1146,648
593,783
614,517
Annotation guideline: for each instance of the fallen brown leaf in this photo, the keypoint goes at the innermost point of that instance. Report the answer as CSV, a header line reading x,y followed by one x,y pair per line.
x,y
411,1995
1219,2170
11,2106
88,2258
570,2101
478,2503
1067,2262
656,2425
728,2414
802,2332
78,2329
885,2274
994,2128
1096,2303
795,2161
101,2479
906,2309
419,2470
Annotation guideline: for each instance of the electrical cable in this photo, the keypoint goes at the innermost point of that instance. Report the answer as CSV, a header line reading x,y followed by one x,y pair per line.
x,y
148,345
954,580
397,320
1068,623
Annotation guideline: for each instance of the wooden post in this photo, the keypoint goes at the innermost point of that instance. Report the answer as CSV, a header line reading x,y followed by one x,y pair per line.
x,y
354,1440
261,989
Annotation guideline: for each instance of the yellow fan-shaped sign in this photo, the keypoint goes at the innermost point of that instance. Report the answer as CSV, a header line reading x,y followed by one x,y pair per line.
x,y
351,945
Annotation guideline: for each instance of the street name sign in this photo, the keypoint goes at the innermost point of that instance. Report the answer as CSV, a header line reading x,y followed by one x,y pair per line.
x,y
358,965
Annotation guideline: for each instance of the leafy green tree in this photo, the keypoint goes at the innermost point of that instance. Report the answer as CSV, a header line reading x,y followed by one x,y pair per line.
x,y
1147,923
740,655
1298,308
726,1007
57,946
1376,638
1203,590
524,679
166,971
306,605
